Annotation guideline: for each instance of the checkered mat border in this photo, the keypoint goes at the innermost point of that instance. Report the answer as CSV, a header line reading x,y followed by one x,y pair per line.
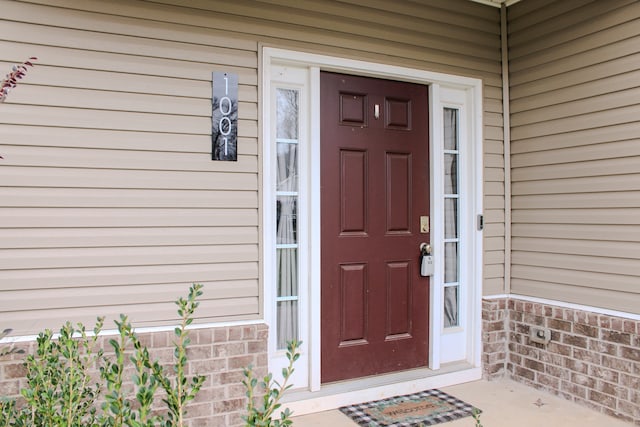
x,y
461,409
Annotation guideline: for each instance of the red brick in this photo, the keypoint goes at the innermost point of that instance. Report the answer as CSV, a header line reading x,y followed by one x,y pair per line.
x,y
587,356
206,366
534,365
557,348
605,322
576,365
630,409
616,337
538,310
574,340
493,347
199,352
229,405
228,349
630,353
524,373
558,372
602,399
494,326
617,324
240,362
235,334
214,421
616,364
532,319
630,381
559,325
9,388
220,335
586,330
583,380
605,374
630,326
573,389
603,347
13,371
516,316
249,333
203,336
211,394
549,381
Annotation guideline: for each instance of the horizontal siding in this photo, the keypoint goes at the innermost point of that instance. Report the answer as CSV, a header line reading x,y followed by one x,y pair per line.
x,y
108,189
575,151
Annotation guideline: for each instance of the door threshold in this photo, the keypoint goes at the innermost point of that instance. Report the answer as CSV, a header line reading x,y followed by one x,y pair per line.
x,y
335,395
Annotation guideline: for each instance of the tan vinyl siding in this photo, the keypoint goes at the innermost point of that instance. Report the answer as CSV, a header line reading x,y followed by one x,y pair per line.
x,y
110,200
575,151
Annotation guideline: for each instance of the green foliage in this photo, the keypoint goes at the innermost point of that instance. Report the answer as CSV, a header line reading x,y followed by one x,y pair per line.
x,y
117,408
261,415
60,392
476,416
181,389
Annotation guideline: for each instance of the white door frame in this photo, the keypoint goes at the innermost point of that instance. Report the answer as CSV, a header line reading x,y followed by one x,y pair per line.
x,y
439,85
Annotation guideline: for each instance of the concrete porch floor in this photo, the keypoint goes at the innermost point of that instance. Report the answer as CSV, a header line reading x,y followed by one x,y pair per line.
x,y
504,403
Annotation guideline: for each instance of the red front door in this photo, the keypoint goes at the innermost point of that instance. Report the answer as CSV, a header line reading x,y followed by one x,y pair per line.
x,y
374,189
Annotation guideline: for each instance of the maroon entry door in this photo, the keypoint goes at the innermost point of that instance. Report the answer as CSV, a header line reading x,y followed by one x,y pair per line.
x,y
374,189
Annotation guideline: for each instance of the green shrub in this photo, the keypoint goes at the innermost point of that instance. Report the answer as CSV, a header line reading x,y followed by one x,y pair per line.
x,y
262,414
60,390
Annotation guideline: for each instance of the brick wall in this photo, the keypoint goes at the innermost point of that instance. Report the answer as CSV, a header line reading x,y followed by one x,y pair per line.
x,y
592,359
494,337
218,353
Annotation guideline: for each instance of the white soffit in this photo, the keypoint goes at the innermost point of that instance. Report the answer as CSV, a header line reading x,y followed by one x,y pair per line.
x,y
497,3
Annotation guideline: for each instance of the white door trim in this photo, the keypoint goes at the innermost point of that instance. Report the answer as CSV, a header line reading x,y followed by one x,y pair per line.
x,y
314,63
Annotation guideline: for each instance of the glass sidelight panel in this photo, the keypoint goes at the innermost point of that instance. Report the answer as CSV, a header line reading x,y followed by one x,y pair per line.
x,y
287,117
451,219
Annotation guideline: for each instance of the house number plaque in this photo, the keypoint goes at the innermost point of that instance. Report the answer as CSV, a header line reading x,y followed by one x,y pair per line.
x,y
224,133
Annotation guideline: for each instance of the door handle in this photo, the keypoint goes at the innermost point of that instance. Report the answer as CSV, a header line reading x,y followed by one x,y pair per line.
x,y
426,260
425,248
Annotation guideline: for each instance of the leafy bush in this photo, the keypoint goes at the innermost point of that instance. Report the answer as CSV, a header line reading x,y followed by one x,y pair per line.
x,y
262,414
60,390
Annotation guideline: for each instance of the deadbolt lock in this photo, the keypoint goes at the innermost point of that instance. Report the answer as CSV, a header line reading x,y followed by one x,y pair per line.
x,y
424,224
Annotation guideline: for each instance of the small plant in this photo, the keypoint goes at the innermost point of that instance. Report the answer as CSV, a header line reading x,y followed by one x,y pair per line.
x,y
261,415
60,392
118,409
180,390
11,80
59,388
476,417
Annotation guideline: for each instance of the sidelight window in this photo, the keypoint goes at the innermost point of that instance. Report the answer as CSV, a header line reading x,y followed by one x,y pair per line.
x,y
451,204
287,249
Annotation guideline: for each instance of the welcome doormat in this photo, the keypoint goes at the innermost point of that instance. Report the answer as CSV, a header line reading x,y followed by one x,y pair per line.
x,y
425,408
